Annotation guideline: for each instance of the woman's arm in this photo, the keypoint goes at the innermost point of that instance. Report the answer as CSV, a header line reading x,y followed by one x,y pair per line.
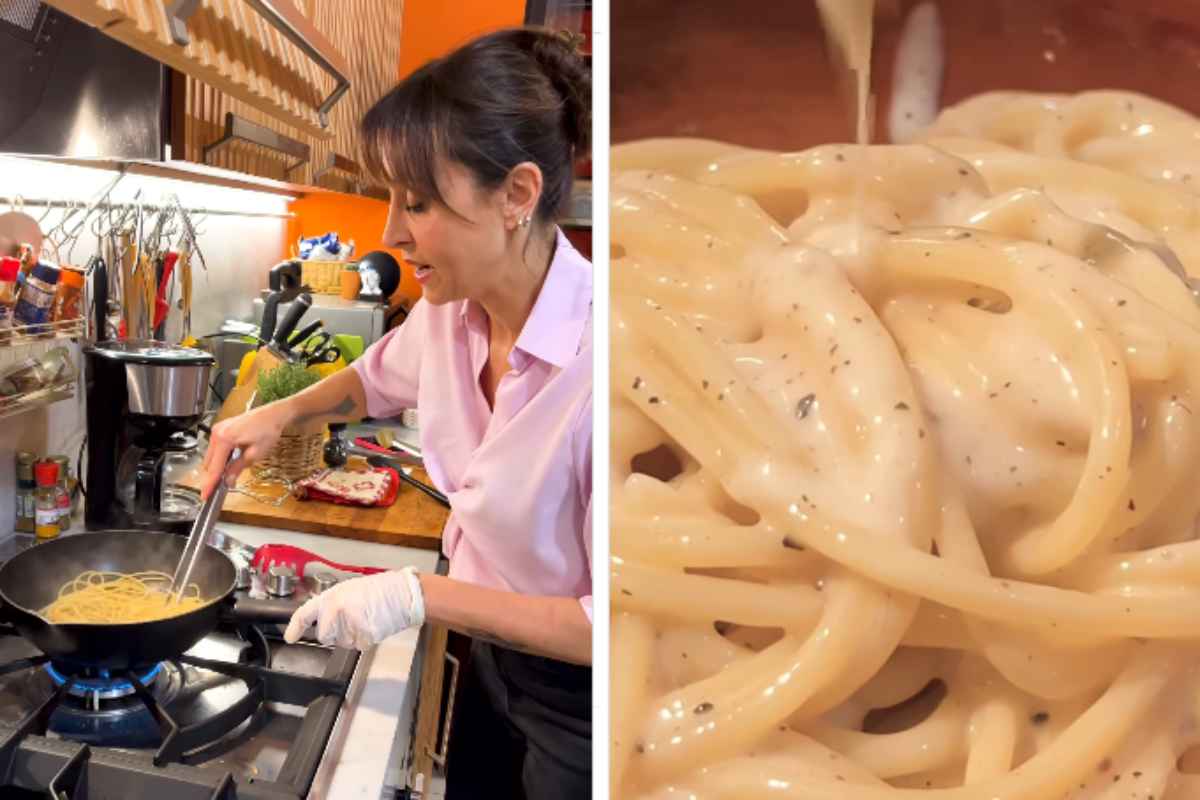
x,y
546,626
338,398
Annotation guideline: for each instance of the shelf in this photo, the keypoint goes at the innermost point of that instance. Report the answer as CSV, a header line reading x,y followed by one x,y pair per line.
x,y
22,342
19,404
22,335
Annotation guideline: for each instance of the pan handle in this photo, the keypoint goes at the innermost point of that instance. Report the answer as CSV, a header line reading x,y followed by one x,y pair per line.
x,y
266,610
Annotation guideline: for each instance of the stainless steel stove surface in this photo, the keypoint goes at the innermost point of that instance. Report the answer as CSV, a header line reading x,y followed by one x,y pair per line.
x,y
241,715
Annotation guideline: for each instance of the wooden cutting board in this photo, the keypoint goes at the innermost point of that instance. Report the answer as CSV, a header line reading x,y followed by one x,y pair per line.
x,y
414,520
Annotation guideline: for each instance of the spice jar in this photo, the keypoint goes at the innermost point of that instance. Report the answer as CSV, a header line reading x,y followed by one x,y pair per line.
x,y
26,488
37,297
46,473
10,268
69,297
62,491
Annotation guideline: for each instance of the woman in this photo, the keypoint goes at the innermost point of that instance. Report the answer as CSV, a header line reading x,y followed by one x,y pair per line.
x,y
478,148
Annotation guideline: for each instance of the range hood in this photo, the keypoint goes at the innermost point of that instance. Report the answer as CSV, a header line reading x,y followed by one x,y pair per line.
x,y
68,90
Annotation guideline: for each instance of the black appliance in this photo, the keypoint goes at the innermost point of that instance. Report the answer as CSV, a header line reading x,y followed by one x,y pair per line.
x,y
143,399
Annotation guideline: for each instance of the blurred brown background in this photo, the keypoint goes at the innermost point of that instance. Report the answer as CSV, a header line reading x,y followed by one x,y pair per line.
x,y
757,73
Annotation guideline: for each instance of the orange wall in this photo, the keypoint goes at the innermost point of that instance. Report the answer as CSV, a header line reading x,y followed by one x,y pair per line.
x,y
429,28
358,218
435,27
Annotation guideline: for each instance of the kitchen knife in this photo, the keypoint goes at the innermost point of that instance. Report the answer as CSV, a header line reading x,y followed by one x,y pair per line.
x,y
295,311
378,460
284,276
266,330
305,332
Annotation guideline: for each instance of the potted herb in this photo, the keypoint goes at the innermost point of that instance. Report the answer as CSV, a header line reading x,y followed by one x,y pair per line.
x,y
297,454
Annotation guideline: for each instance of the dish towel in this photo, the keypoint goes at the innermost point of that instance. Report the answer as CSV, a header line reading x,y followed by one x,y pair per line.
x,y
376,487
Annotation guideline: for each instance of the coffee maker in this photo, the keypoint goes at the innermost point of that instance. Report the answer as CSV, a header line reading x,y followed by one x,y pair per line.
x,y
145,400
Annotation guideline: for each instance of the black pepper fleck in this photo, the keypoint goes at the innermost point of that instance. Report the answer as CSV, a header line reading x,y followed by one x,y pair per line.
x,y
653,401
805,405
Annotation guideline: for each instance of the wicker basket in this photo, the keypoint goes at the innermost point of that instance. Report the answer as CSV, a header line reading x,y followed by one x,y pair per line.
x,y
323,277
295,456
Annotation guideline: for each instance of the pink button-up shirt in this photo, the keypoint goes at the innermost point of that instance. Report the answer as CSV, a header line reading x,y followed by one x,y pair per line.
x,y
519,476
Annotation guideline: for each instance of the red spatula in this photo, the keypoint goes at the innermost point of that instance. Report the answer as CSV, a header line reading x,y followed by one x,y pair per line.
x,y
298,559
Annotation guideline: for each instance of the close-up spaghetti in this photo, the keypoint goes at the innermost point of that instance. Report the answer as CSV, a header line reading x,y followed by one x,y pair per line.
x,y
903,442
115,597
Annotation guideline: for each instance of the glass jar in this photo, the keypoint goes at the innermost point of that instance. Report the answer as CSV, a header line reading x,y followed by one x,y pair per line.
x,y
34,305
10,268
47,524
182,471
26,489
69,296
62,492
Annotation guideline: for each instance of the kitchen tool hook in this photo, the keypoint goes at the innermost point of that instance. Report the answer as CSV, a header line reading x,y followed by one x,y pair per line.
x,y
190,232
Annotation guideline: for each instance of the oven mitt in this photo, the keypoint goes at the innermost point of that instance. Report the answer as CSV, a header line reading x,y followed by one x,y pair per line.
x,y
375,487
362,612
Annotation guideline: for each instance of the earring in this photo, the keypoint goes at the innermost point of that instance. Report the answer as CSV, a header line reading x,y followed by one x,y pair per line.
x,y
525,221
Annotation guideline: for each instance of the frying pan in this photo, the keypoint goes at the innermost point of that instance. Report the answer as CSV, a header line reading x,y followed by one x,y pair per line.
x,y
30,580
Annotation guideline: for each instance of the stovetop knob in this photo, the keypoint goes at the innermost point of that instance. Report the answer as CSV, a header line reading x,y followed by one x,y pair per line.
x,y
244,577
323,581
281,580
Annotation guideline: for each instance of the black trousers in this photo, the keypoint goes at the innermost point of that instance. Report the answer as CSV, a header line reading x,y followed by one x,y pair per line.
x,y
522,729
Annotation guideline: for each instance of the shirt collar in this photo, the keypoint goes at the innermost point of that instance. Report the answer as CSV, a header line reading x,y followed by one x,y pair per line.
x,y
562,309
560,314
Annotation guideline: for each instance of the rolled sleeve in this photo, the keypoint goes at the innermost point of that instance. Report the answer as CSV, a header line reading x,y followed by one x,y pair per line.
x,y
390,369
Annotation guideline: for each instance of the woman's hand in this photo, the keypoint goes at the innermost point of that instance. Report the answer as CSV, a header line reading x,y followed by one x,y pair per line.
x,y
364,611
255,432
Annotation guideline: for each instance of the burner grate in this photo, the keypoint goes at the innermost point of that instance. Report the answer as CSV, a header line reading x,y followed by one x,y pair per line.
x,y
35,755
102,686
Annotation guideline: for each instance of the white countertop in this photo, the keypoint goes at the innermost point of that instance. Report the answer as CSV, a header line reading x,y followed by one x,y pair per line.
x,y
374,725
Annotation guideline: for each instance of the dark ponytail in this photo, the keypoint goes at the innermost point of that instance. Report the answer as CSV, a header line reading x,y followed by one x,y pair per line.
x,y
522,94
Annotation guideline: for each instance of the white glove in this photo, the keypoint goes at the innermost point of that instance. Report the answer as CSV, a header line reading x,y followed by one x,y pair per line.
x,y
363,611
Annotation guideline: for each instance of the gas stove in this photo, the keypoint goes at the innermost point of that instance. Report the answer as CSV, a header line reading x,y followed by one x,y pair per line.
x,y
241,715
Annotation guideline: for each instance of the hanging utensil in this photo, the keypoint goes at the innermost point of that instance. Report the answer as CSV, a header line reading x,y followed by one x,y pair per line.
x,y
98,270
185,288
161,304
148,288
128,295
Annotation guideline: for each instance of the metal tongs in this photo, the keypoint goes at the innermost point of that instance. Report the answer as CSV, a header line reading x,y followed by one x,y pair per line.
x,y
201,532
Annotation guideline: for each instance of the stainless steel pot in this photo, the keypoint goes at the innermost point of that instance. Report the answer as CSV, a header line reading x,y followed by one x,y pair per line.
x,y
162,380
